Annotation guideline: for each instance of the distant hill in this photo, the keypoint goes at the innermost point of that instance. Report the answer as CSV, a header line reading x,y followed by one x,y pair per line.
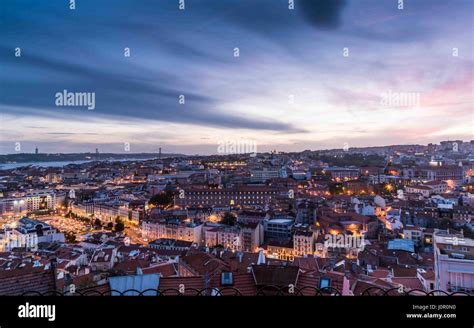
x,y
27,157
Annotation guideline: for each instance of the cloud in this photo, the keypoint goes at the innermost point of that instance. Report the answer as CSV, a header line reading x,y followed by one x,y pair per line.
x,y
190,53
322,14
127,94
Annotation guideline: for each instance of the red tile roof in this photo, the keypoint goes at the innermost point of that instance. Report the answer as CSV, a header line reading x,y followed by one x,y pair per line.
x,y
409,283
171,285
165,270
16,282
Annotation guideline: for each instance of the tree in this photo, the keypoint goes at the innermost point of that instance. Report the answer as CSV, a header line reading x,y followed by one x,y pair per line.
x,y
335,188
229,219
70,238
445,224
119,226
162,199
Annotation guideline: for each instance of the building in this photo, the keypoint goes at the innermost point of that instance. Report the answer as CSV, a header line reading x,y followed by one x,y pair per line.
x,y
425,191
413,233
222,197
342,173
280,250
438,187
106,213
40,200
454,263
27,233
172,228
170,244
306,212
420,236
451,174
428,188
278,229
85,210
224,236
303,243
266,174
13,207
251,236
103,259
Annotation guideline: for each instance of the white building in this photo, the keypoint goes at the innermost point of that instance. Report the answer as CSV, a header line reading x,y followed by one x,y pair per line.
x,y
27,233
265,174
40,200
303,243
172,229
13,207
454,263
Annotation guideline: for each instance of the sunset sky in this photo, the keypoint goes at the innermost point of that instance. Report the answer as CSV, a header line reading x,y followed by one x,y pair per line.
x,y
284,54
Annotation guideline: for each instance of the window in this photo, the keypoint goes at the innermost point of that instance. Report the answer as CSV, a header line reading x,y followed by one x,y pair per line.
x,y
227,279
324,283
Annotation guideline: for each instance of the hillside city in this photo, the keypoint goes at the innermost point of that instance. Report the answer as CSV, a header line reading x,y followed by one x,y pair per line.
x,y
352,221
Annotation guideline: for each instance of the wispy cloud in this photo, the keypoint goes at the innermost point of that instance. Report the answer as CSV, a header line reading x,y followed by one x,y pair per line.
x,y
283,53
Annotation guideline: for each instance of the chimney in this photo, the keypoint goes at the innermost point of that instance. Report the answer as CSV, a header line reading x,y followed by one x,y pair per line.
x,y
346,287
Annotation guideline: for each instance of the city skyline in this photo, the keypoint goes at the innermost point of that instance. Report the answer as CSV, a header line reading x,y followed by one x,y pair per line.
x,y
321,151
325,76
36,151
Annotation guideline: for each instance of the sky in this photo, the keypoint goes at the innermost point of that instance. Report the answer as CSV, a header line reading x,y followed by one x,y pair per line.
x,y
325,74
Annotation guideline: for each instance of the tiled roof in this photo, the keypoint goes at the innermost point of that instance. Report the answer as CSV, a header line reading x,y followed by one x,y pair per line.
x,y
379,273
275,275
191,284
313,280
165,270
239,262
244,282
131,265
428,275
16,282
409,283
307,264
404,272
203,263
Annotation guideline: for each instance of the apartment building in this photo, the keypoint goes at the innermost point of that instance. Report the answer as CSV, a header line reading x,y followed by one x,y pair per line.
x,y
222,197
454,263
342,173
40,200
278,228
228,237
303,243
172,228
251,236
13,207
265,174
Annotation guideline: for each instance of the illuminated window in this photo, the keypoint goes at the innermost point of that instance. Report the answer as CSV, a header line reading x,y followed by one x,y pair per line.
x,y
227,279
324,283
